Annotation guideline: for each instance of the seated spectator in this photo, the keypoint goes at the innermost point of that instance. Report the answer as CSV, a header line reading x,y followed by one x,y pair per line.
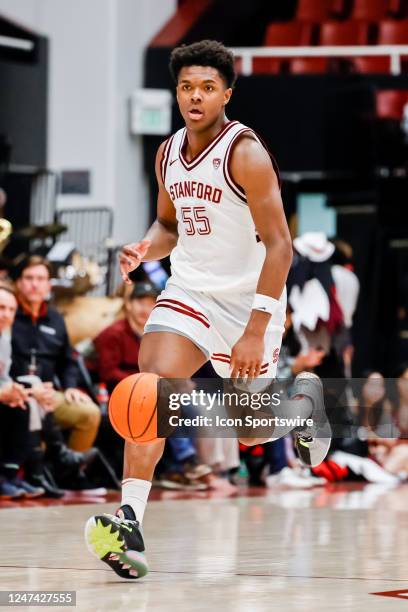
x,y
400,408
180,467
374,454
291,359
40,346
117,346
374,408
14,413
392,453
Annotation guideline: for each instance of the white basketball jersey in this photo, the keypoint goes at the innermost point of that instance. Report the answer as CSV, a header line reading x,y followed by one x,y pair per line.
x,y
218,249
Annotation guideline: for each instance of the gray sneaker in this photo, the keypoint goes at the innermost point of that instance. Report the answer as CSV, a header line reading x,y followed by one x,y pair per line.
x,y
312,443
30,491
9,491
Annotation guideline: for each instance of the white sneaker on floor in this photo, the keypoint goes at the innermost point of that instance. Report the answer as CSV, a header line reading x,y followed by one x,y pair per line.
x,y
294,479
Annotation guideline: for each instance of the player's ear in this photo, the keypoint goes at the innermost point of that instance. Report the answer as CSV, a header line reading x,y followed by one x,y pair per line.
x,y
227,95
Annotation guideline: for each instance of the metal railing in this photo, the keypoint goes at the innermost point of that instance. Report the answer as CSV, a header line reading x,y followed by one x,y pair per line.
x,y
90,229
394,52
43,203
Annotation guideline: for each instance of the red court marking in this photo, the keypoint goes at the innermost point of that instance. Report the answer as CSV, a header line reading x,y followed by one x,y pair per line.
x,y
398,594
323,498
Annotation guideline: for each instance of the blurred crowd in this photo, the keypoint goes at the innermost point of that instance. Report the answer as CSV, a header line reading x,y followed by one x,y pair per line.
x,y
54,429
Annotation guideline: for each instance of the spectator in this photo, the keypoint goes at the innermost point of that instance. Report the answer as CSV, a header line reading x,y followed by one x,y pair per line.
x,y
375,409
313,295
291,359
180,467
117,346
347,291
14,415
41,346
400,408
392,453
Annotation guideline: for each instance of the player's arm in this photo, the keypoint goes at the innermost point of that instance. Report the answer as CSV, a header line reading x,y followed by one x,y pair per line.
x,y
161,237
252,168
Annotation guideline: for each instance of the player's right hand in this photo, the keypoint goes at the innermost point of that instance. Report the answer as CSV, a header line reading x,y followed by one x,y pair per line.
x,y
131,257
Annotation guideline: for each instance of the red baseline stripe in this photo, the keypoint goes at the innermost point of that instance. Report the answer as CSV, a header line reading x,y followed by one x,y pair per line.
x,y
197,312
185,312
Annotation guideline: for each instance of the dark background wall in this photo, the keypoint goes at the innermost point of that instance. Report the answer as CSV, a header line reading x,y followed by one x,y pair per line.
x,y
23,97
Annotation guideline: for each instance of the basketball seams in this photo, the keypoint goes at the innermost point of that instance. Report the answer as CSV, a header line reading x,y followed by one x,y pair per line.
x,y
129,403
140,435
148,424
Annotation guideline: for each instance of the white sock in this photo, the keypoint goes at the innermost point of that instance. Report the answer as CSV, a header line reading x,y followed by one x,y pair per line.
x,y
134,494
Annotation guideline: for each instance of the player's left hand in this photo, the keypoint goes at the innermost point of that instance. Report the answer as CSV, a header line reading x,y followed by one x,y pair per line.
x,y
246,356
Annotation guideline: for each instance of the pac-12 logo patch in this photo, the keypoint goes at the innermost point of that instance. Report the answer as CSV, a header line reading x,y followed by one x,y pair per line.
x,y
216,163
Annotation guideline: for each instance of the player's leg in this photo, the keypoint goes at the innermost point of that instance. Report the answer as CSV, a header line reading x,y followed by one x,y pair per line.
x,y
313,440
307,403
230,318
117,539
170,356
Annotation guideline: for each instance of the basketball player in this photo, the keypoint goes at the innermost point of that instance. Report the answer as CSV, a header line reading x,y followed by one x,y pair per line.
x,y
220,218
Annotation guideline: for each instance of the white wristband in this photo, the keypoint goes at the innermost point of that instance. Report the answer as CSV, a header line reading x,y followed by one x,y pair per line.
x,y
265,303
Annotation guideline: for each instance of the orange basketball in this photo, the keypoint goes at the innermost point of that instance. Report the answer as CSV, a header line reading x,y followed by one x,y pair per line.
x,y
133,407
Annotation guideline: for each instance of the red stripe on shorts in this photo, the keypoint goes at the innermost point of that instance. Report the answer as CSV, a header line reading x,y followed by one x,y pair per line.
x,y
220,359
197,312
185,312
227,359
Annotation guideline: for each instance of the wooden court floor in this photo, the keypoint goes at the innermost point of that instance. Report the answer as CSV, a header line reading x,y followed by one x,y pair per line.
x,y
322,549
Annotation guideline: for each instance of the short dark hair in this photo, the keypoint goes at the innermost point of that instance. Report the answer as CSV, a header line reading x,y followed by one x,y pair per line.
x,y
30,262
143,289
204,53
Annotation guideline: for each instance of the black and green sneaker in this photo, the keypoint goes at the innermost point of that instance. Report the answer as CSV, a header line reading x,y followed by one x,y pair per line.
x,y
117,540
312,443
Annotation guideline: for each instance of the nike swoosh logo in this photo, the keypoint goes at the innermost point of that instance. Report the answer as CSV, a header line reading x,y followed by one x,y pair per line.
x,y
174,161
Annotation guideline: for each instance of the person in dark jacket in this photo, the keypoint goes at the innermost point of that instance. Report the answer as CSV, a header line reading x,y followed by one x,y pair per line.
x,y
14,413
41,346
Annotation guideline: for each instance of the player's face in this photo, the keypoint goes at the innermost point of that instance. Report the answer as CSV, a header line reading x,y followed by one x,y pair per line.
x,y
8,307
201,95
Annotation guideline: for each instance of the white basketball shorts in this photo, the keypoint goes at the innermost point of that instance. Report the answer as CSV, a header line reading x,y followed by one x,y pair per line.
x,y
214,323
